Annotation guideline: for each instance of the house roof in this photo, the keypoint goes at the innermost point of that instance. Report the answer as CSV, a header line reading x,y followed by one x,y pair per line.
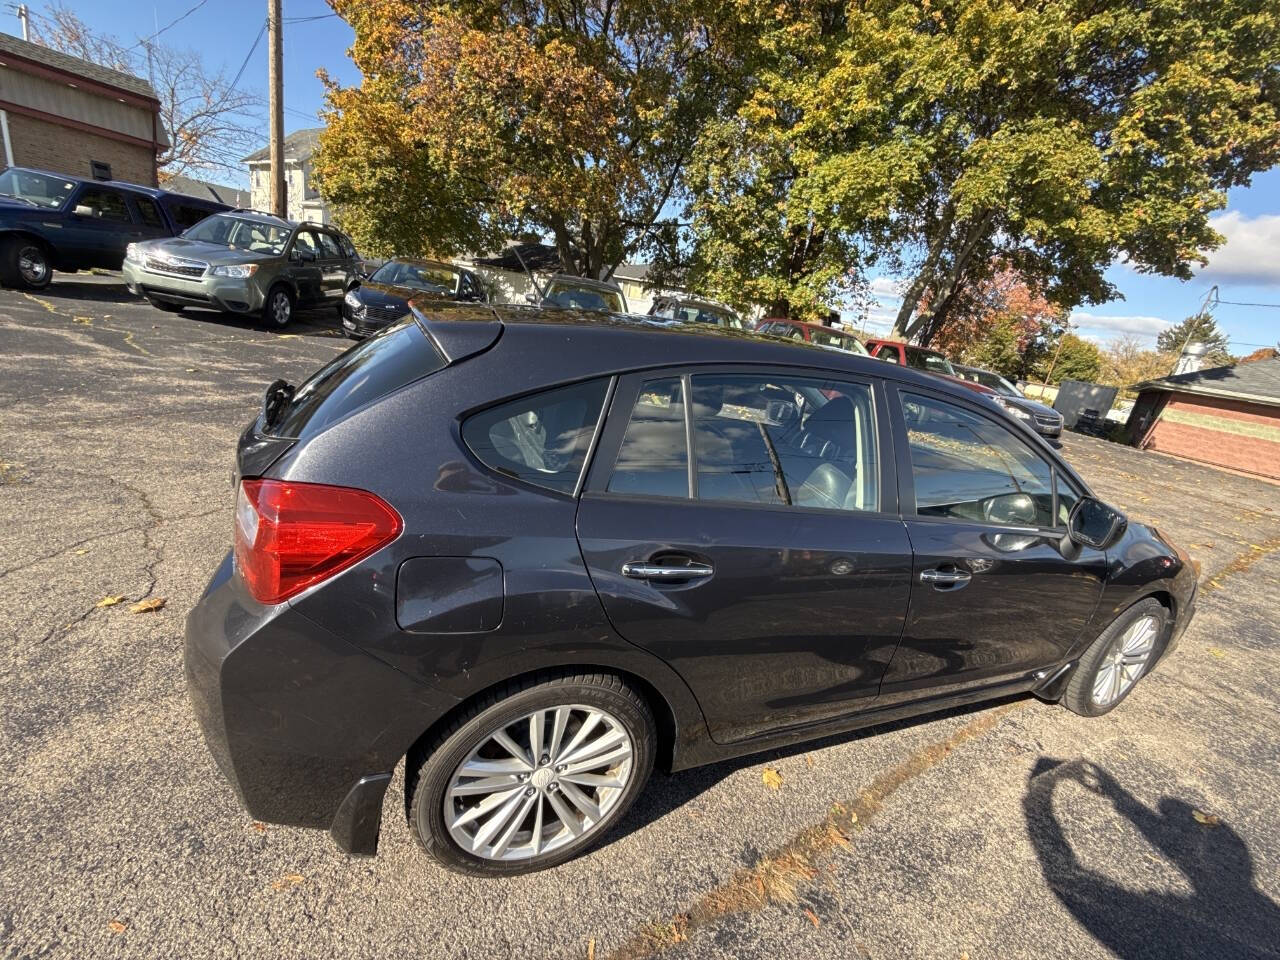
x,y
189,186
64,62
1254,382
298,145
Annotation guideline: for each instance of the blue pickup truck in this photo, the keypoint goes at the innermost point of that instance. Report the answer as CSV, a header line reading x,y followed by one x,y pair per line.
x,y
50,221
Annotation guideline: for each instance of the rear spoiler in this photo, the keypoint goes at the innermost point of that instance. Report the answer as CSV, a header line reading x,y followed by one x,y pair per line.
x,y
458,331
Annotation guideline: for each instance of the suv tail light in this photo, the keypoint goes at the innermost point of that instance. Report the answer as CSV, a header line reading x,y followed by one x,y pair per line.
x,y
291,535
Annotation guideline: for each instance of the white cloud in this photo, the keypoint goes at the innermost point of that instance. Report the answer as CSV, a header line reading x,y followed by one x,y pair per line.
x,y
1094,326
1251,253
887,287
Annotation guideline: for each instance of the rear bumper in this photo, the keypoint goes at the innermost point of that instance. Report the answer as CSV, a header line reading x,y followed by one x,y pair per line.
x,y
305,726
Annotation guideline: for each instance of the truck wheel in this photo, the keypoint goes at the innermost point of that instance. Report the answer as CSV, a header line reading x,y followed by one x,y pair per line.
x,y
24,263
278,310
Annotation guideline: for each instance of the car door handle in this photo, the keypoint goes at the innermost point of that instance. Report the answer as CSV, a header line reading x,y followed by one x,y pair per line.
x,y
666,571
945,577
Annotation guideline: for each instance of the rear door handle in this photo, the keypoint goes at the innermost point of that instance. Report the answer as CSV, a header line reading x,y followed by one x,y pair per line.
x,y
945,577
665,571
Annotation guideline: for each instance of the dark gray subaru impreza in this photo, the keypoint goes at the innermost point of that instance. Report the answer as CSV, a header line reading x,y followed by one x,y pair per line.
x,y
534,553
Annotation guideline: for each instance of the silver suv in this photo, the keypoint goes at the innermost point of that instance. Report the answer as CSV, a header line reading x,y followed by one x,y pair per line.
x,y
245,262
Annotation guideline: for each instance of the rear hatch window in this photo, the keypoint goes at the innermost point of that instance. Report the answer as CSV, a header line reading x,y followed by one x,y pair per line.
x,y
372,369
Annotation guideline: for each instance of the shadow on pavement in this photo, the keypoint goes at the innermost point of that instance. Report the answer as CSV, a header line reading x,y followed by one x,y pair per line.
x,y
1225,916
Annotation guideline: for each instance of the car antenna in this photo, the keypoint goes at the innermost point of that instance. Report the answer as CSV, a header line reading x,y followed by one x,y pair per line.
x,y
542,294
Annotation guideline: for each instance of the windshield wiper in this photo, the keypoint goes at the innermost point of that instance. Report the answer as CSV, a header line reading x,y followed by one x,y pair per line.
x,y
26,200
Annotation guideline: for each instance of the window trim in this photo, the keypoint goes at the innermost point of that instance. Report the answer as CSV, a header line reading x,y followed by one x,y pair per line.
x,y
906,479
601,464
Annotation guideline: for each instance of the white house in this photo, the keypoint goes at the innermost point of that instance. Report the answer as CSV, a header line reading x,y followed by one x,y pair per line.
x,y
303,201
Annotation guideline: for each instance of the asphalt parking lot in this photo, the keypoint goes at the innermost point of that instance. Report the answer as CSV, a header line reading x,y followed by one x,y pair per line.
x,y
1013,830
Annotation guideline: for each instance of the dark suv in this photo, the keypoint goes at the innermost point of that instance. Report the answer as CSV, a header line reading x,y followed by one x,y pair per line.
x,y
49,221
534,552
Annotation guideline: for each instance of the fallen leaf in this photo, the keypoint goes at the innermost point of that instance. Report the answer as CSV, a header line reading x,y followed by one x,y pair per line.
x,y
772,778
81,553
149,605
287,881
111,601
813,917
115,926
259,826
1216,652
1208,819
808,760
591,949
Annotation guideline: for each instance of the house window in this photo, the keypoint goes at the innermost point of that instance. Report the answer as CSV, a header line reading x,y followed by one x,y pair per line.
x,y
100,170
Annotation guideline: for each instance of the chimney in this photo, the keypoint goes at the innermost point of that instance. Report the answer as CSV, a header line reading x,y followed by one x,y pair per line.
x,y
1192,358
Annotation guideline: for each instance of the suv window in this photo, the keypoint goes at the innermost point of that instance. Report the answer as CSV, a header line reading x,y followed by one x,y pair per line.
x,y
785,440
541,439
348,247
104,204
653,459
929,361
385,362
968,467
148,211
329,247
187,215
306,240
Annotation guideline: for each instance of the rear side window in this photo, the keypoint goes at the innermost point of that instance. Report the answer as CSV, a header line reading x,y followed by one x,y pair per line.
x,y
542,438
653,459
370,370
187,214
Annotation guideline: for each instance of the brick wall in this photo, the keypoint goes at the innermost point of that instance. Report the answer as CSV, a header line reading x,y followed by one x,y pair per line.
x,y
1230,433
49,146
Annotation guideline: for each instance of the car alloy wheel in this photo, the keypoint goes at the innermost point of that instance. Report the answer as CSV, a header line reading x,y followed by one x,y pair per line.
x,y
33,265
539,784
281,308
1123,663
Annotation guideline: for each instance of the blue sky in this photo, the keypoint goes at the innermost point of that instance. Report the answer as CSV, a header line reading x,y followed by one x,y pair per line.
x,y
1246,269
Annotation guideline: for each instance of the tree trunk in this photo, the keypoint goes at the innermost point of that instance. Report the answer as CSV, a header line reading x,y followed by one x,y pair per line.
x,y
911,297
926,325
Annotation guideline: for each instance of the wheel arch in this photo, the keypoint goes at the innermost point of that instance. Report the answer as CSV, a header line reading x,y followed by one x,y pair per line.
x,y
17,234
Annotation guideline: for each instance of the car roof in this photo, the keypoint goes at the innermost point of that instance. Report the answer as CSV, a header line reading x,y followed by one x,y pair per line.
x,y
585,282
424,262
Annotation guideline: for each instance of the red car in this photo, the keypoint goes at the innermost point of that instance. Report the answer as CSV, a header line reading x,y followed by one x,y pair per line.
x,y
811,333
930,361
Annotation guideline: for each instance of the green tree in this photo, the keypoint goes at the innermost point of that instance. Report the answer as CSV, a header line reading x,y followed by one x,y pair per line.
x,y
571,118
938,138
1072,358
1201,328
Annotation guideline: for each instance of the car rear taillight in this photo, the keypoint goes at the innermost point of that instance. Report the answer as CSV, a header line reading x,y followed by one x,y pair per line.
x,y
291,535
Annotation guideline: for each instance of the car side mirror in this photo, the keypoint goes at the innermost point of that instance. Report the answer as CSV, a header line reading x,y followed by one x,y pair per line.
x,y
83,210
530,298
1094,524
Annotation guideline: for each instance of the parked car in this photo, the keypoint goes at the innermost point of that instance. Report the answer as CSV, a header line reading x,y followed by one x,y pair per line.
x,y
1043,419
374,302
580,293
248,263
49,221
533,553
812,333
696,310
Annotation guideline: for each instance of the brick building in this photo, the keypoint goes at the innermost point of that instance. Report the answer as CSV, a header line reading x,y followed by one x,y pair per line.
x,y
1226,416
67,115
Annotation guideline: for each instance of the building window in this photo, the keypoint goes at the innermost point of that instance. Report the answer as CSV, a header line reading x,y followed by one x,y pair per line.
x,y
100,170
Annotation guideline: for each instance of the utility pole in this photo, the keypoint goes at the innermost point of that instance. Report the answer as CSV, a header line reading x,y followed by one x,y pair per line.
x,y
275,80
25,20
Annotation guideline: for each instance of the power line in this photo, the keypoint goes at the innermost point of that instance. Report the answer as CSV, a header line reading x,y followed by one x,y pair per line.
x,y
1241,303
248,56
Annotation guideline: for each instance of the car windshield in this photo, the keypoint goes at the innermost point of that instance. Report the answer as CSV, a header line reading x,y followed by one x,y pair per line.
x,y
996,382
704,313
419,276
241,233
841,341
930,361
562,294
37,189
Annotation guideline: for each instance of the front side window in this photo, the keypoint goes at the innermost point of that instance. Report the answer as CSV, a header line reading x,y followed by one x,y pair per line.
x,y
653,459
784,440
967,467
103,205
542,438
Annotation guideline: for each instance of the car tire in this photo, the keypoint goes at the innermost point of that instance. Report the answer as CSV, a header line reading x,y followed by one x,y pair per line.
x,y
1120,657
25,264
531,789
277,309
